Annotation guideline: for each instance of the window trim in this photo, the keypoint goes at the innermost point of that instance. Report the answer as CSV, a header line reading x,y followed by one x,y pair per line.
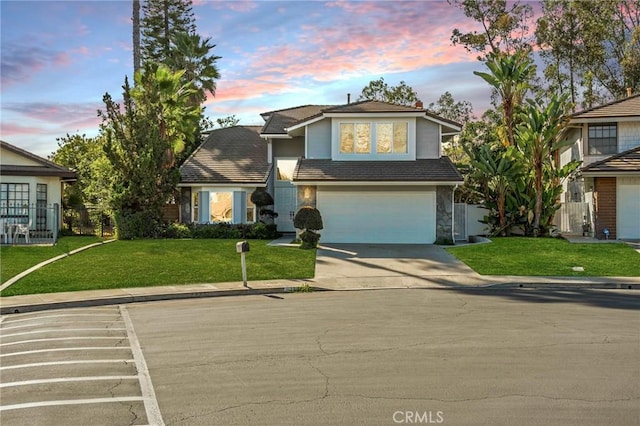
x,y
591,139
373,155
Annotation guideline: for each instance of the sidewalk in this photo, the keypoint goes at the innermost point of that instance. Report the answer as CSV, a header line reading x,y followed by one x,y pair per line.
x,y
38,302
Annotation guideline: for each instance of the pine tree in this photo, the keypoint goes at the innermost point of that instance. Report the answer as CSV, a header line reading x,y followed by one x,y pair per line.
x,y
162,19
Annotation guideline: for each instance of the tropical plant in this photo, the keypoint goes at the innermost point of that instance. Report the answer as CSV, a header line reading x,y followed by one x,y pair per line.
x,y
540,134
510,76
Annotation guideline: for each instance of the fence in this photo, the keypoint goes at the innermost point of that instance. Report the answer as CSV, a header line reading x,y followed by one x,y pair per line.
x,y
29,224
571,217
466,220
88,220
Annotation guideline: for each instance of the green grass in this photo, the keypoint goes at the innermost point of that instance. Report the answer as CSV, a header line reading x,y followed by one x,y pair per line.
x,y
549,257
15,259
123,264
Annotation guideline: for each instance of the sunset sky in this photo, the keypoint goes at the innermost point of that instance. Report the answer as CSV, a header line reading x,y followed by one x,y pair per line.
x,y
60,57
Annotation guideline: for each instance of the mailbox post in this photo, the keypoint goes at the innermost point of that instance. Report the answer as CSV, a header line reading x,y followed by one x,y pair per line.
x,y
242,247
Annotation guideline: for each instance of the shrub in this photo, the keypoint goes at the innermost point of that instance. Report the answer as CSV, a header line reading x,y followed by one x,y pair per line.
x,y
260,197
309,220
136,225
177,230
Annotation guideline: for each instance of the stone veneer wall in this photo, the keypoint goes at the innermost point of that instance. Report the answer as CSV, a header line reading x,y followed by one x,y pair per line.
x,y
444,215
605,205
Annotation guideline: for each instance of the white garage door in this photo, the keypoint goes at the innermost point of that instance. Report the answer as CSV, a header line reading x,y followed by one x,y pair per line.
x,y
628,208
377,216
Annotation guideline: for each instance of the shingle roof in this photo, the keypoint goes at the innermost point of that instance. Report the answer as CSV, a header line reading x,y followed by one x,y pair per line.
x,y
45,167
625,162
232,155
278,121
627,107
424,170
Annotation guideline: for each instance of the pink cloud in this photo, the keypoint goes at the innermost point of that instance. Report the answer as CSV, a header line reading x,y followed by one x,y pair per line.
x,y
12,129
230,90
235,6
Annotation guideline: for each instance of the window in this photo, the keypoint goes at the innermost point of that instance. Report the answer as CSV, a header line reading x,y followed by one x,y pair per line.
x,y
355,138
286,168
251,210
603,139
14,200
41,206
221,206
391,138
195,206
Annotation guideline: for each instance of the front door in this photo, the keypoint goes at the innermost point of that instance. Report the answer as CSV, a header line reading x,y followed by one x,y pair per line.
x,y
285,194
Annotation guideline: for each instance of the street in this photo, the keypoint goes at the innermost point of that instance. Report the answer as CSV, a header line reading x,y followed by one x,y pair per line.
x,y
384,357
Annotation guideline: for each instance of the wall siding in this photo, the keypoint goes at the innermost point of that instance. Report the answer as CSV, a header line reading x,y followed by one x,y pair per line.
x,y
288,147
605,194
319,140
427,139
628,135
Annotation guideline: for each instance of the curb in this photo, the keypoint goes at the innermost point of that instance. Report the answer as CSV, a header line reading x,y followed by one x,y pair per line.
x,y
118,300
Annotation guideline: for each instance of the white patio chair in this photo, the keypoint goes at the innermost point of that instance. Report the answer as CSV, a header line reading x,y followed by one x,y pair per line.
x,y
22,229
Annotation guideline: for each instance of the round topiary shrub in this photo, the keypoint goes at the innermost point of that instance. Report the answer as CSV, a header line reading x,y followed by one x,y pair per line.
x,y
260,197
309,220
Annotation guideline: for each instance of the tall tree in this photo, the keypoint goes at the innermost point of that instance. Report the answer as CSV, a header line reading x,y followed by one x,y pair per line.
x,y
379,90
141,137
161,21
591,48
504,27
447,107
135,18
510,76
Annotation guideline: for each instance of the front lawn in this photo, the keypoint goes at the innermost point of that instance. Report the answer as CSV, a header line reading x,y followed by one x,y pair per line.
x,y
15,259
142,263
549,257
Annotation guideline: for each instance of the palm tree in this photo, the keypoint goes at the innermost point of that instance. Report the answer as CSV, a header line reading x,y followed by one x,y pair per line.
x,y
510,76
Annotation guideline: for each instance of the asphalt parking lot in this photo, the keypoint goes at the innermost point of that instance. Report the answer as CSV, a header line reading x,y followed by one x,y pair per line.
x,y
79,366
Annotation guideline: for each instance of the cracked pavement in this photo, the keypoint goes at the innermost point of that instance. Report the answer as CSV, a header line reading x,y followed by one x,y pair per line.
x,y
479,357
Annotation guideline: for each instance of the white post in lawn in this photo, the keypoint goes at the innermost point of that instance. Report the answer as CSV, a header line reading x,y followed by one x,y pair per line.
x,y
242,247
244,269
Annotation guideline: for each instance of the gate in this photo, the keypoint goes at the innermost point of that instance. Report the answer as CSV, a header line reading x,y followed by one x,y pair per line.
x,y
570,218
460,221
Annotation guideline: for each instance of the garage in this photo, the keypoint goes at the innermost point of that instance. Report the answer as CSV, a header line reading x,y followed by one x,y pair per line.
x,y
377,216
628,221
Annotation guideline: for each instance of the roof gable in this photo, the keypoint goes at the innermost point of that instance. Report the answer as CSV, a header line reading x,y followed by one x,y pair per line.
x,y
627,107
230,155
30,164
624,162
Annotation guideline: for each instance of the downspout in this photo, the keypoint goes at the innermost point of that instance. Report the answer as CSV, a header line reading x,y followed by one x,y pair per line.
x,y
453,214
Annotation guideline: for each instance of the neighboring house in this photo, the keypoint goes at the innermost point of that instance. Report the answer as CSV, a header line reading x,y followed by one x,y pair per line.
x,y
607,140
31,190
374,170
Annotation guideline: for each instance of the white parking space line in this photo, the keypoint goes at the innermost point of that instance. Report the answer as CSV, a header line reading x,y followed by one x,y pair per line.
x,y
64,330
66,380
11,321
37,324
150,402
88,348
70,402
59,339
47,364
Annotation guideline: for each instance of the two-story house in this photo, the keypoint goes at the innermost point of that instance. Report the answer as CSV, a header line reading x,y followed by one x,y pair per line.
x,y
374,170
607,140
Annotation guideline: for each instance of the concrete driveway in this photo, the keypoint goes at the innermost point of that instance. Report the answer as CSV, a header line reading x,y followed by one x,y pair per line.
x,y
390,264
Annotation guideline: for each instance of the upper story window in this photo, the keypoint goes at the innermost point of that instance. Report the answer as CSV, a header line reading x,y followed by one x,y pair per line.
x,y
603,139
355,138
391,138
